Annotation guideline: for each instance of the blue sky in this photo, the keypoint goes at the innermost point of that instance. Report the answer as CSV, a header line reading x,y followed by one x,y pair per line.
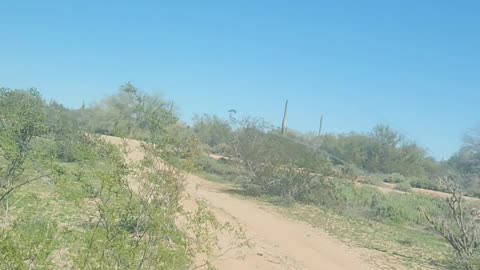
x,y
414,65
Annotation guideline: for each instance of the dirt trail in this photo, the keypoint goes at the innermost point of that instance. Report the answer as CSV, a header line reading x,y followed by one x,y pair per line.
x,y
279,242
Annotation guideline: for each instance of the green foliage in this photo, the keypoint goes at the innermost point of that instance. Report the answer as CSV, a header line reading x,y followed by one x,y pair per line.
x,y
394,178
467,159
257,145
276,165
28,245
405,208
125,114
284,167
404,186
421,182
22,118
131,229
69,192
134,225
22,115
90,208
217,169
222,149
212,130
382,151
466,162
64,130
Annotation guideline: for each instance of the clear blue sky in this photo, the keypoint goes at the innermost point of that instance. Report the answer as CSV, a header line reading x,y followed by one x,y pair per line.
x,y
412,64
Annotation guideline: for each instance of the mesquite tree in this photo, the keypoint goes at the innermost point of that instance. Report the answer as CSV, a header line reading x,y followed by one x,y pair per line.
x,y
22,118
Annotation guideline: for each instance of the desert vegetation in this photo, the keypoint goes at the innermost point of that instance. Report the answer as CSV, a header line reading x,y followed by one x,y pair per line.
x,y
347,175
70,198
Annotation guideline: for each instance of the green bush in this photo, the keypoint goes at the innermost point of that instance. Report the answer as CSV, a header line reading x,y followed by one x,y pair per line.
x,y
404,186
220,168
28,243
212,130
387,211
405,208
336,194
425,183
222,149
375,179
394,178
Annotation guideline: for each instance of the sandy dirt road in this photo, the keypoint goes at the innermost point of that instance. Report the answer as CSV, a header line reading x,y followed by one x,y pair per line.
x,y
278,242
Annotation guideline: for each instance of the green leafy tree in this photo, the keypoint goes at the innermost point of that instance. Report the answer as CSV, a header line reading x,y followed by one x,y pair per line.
x,y
466,162
381,151
22,118
121,114
212,130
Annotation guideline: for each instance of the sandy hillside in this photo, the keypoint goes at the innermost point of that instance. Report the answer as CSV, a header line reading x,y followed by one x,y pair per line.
x,y
279,242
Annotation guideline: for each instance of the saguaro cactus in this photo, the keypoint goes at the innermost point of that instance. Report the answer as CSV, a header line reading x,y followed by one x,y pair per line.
x,y
321,123
284,122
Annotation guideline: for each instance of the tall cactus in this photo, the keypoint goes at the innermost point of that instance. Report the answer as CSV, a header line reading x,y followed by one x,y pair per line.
x,y
320,128
284,122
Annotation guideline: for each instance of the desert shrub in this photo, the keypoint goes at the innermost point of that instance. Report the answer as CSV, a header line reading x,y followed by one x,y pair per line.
x,y
424,183
404,186
336,194
405,208
276,165
124,114
284,168
375,179
222,168
459,226
222,149
386,210
212,130
473,190
64,131
381,151
394,178
27,244
288,181
22,118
